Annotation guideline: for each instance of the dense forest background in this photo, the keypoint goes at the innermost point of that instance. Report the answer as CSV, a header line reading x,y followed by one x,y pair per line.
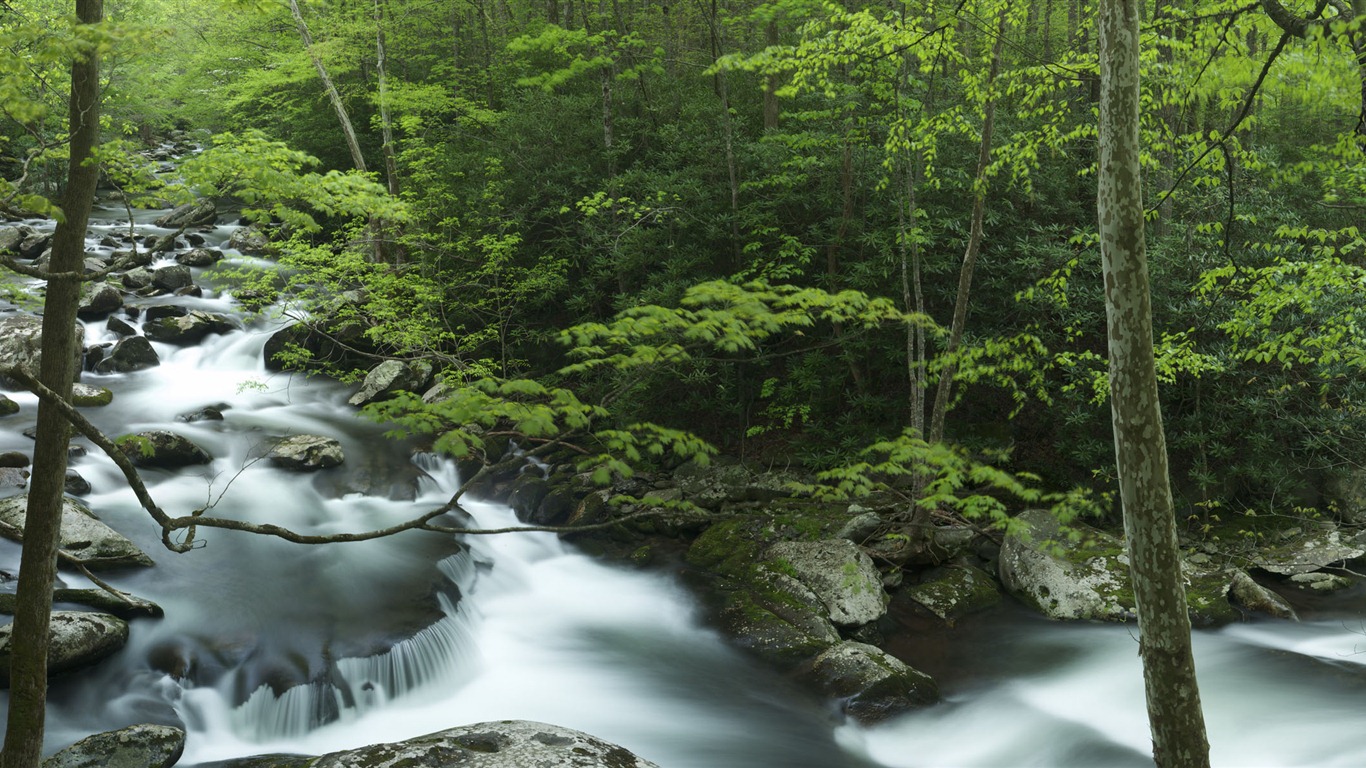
x,y
821,225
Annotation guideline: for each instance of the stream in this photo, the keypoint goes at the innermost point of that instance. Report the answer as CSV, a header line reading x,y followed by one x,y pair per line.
x,y
414,633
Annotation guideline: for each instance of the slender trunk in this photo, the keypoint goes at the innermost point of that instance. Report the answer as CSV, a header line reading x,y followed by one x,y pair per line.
x,y
332,95
386,124
832,253
771,107
42,529
722,88
1174,715
979,205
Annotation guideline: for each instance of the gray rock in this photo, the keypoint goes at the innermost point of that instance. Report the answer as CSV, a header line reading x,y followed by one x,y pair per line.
x,y
199,257
100,299
75,484
160,448
1321,582
1254,597
79,639
7,406
251,241
137,746
306,453
778,619
84,538
119,326
1308,551
189,328
505,744
137,278
861,526
392,376
10,238
715,485
840,574
955,591
172,278
21,344
85,395
871,684
14,459
202,211
134,353
1088,579
13,477
33,244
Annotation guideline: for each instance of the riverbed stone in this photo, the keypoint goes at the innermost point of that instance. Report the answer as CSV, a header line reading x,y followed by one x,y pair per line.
x,y
1307,550
1320,582
777,619
1085,579
10,238
124,606
134,353
137,746
171,278
250,241
21,344
162,448
1246,592
954,591
306,453
34,244
840,574
84,538
201,211
389,378
7,406
871,684
79,639
199,257
88,396
137,278
75,484
119,326
189,328
99,300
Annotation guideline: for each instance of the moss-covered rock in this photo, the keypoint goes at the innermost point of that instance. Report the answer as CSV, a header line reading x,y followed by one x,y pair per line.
x,y
870,684
1254,597
954,591
137,746
839,573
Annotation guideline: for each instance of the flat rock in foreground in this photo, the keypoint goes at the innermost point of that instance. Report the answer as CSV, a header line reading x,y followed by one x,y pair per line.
x,y
84,538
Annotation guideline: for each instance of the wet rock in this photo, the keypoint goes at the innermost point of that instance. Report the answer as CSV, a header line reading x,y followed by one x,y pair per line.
x,y
871,684
21,344
714,485
99,300
250,241
79,639
333,343
84,538
87,396
954,591
390,377
778,619
207,413
1256,598
839,573
306,453
199,257
1307,550
14,459
200,212
120,327
75,484
125,606
34,243
134,353
7,406
91,265
189,328
1320,582
10,238
137,278
172,278
137,746
13,477
1088,579
160,448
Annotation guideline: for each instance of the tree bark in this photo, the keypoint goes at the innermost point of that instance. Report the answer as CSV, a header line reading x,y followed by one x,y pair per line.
x,y
975,233
333,96
386,124
57,369
1174,714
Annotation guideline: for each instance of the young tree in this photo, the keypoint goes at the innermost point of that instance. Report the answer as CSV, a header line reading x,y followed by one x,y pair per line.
x,y
42,528
1174,714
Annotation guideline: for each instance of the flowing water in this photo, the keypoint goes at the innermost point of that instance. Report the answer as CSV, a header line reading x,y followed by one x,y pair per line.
x,y
275,647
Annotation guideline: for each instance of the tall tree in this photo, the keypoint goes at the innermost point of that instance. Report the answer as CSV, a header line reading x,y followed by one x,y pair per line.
x,y
357,158
1174,714
42,528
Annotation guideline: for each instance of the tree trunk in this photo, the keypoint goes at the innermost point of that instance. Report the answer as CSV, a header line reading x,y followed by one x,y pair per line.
x,y
979,206
771,107
350,133
1174,714
386,124
42,528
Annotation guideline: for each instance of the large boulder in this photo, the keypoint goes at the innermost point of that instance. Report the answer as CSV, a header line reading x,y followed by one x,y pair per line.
x,y
1086,579
839,573
162,448
87,396
134,353
99,300
390,377
504,744
306,453
199,257
137,746
1304,551
21,343
189,328
122,605
1254,597
84,538
10,238
202,211
954,591
79,639
172,278
870,684
250,241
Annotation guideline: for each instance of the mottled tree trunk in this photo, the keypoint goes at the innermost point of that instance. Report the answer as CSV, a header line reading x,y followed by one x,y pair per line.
x,y
1174,714
42,529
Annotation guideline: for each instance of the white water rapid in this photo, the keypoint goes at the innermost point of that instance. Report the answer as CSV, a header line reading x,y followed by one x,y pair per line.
x,y
272,647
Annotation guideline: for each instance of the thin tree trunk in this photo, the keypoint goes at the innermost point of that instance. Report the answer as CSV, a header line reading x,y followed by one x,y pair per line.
x,y
1174,714
30,639
722,88
332,95
979,205
386,124
771,106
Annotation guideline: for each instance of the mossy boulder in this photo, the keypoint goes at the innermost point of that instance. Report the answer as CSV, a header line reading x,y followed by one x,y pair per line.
x,y
870,684
1306,549
79,639
1254,597
86,396
306,453
83,537
839,573
162,448
137,746
954,591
